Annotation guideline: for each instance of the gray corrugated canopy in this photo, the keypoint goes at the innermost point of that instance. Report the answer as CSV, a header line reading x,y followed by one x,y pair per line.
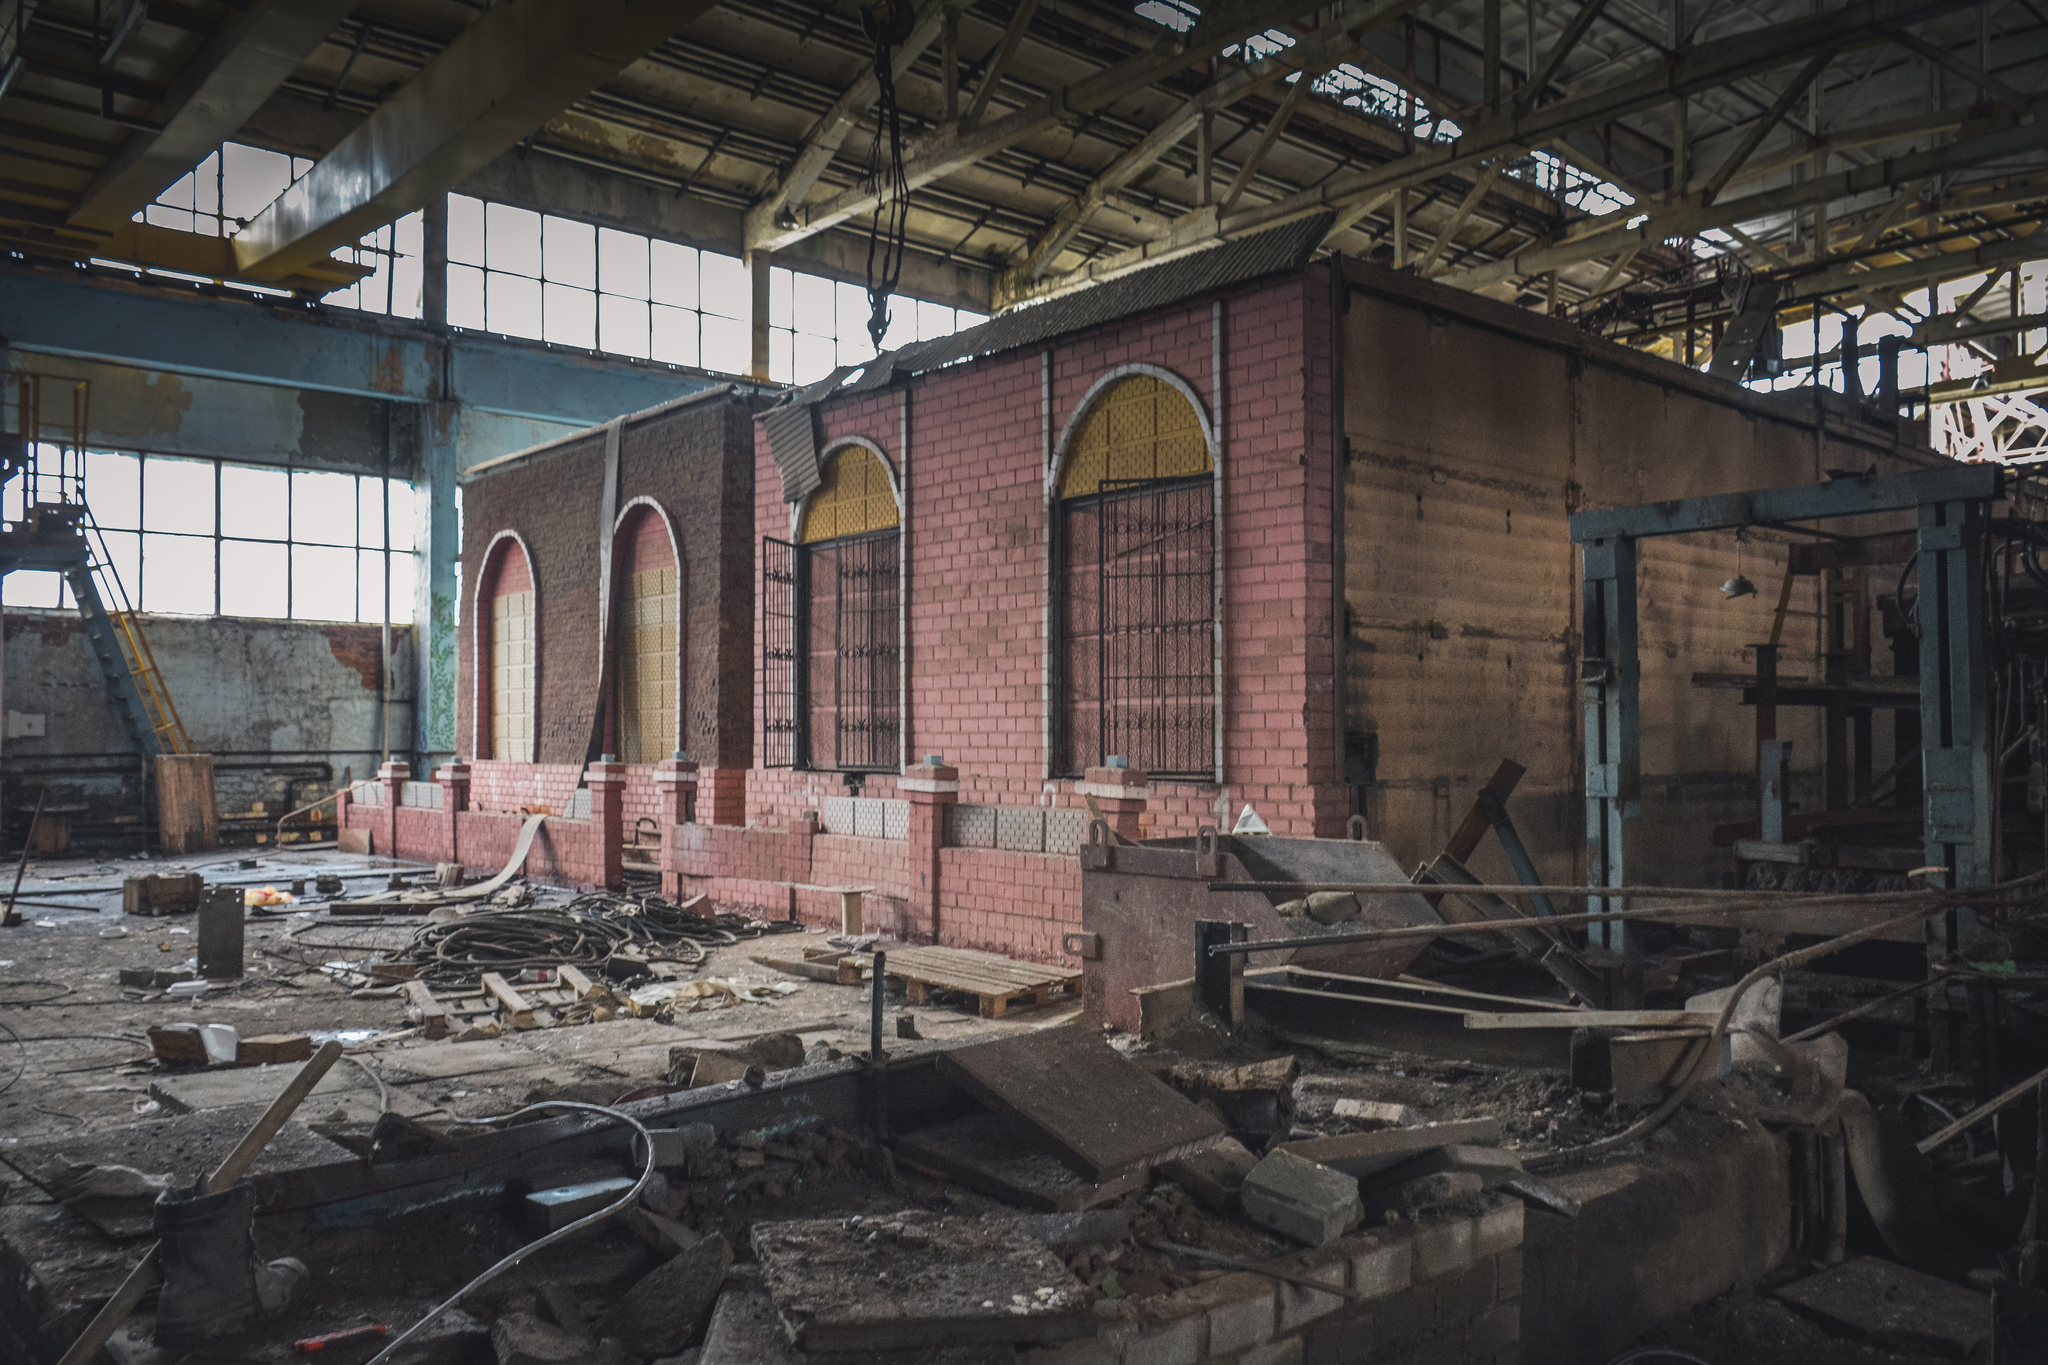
x,y
1284,248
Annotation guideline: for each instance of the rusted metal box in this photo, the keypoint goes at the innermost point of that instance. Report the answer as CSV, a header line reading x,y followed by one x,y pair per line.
x,y
1139,904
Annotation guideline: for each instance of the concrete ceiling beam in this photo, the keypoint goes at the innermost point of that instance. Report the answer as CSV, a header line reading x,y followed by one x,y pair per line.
x,y
245,61
504,77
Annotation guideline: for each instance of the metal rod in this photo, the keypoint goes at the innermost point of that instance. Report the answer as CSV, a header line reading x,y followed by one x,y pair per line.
x,y
1865,1008
1934,1140
1517,889
1486,927
12,918
875,1012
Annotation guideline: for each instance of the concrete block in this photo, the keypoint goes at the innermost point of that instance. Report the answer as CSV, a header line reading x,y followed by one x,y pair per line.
x,y
1411,1197
1288,1352
1495,1332
1382,1267
1463,1295
661,1313
1241,1311
1306,1201
1086,1351
1507,1276
1379,1111
1500,1228
1179,1341
1215,1175
689,1147
1444,1245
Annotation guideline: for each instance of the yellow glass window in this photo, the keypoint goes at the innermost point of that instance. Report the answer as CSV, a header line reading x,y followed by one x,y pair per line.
x,y
648,659
854,499
512,676
1141,428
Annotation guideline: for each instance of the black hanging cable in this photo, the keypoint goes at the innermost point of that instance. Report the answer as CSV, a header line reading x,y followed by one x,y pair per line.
x,y
886,24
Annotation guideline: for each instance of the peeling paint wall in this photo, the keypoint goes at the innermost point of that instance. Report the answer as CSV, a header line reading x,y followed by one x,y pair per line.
x,y
286,707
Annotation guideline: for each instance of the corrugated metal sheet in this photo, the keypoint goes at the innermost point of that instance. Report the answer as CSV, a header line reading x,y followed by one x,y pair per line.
x,y
1281,249
793,439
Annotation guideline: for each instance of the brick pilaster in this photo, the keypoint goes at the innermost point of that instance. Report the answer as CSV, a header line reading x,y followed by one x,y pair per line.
x,y
931,788
454,780
392,777
1121,794
607,782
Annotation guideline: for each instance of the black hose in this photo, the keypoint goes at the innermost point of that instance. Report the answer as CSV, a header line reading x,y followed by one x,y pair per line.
x,y
587,932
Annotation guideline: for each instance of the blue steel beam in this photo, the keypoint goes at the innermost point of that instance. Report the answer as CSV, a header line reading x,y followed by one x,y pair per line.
x,y
1807,502
329,350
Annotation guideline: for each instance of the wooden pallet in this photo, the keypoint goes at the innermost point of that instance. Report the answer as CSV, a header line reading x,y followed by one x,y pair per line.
x,y
499,1002
996,981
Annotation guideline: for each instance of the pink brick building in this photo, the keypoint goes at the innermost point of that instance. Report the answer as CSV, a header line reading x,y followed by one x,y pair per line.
x,y
1247,529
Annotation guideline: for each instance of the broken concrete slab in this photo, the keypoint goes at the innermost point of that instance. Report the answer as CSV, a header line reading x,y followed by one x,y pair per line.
x,y
1104,1115
1367,1154
1308,1202
661,1314
1888,1305
1077,1229
523,1339
746,1330
1379,1111
917,1279
1214,1175
997,1156
1434,1191
552,1209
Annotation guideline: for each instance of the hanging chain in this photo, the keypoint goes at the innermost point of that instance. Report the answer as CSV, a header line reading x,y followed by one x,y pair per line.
x,y
892,187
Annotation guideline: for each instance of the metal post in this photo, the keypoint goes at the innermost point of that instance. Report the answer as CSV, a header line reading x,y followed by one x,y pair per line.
x,y
1610,675
1774,763
1954,728
1219,978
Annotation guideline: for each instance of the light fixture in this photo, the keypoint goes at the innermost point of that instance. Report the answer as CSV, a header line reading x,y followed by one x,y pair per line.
x,y
1738,586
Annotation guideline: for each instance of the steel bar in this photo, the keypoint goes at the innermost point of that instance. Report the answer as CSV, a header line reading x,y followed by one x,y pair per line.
x,y
1933,1141
12,917
1518,889
1865,1008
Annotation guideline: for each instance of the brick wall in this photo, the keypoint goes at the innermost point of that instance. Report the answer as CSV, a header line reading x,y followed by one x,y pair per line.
x,y
695,463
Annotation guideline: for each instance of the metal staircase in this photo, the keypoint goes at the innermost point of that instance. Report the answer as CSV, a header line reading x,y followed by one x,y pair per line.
x,y
60,536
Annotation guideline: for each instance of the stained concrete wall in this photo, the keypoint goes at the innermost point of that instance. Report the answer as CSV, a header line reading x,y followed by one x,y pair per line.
x,y
285,706
1474,430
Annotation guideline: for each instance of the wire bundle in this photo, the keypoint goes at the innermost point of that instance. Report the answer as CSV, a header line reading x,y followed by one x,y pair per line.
x,y
588,931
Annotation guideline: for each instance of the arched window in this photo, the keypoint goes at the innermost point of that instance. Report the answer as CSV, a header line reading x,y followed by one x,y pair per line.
x,y
834,617
507,653
1135,585
649,660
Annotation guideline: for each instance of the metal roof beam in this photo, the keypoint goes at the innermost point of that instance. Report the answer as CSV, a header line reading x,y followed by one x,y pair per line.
x,y
508,73
1690,218
796,184
954,148
226,81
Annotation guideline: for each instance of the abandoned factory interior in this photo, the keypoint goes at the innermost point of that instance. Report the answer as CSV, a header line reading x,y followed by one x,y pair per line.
x,y
1024,682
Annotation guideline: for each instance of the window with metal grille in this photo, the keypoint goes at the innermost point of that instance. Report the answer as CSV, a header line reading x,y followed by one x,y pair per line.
x,y
832,666
649,644
1135,571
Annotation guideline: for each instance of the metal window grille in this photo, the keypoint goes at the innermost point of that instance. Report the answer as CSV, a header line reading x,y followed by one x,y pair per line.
x,y
781,661
1137,617
849,690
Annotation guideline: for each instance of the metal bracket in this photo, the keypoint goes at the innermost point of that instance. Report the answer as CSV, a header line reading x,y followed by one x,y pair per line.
x,y
1087,947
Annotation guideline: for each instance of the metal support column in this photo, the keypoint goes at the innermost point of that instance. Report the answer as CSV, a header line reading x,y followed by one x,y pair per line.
x,y
439,545
1954,724
1610,674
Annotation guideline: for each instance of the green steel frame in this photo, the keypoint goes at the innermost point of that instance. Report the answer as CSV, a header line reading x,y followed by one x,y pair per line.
x,y
1951,505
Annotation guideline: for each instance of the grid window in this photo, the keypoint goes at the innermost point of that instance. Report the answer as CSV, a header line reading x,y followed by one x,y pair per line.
x,y
816,325
512,676
553,279
219,196
210,537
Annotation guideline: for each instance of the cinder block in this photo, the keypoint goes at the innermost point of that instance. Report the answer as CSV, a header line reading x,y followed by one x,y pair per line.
x,y
1240,1312
1463,1295
1383,1267
1496,1331
1500,1227
1444,1246
1306,1201
1178,1341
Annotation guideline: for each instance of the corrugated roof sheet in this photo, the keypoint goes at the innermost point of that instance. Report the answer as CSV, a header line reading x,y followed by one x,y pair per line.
x,y
1284,248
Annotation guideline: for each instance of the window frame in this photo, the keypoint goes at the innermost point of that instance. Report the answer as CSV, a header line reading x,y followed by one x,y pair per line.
x,y
803,756
617,636
1061,763
482,626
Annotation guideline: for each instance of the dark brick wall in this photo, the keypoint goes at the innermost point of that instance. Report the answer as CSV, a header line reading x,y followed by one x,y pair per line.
x,y
696,463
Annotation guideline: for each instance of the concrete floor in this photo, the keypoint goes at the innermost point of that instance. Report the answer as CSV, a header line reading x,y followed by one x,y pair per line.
x,y
85,1061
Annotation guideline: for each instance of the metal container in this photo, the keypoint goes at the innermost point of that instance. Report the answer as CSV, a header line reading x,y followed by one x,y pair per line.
x,y
1139,904
221,919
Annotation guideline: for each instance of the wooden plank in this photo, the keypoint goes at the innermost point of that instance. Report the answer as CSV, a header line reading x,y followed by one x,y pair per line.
x,y
518,1012
1630,1019
1105,1114
576,980
833,971
433,1014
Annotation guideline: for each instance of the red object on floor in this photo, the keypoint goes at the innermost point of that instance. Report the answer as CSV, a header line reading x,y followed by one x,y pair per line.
x,y
320,1343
